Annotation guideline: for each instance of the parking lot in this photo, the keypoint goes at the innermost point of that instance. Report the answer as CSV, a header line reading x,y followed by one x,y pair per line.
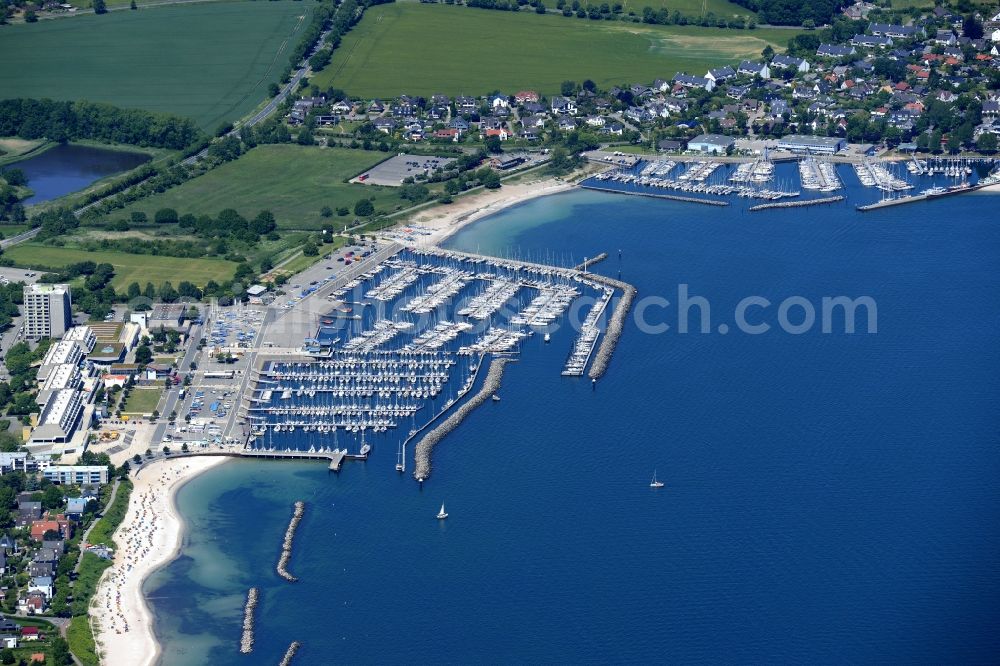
x,y
394,170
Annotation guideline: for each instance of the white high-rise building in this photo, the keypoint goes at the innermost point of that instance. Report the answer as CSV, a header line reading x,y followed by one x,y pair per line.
x,y
48,310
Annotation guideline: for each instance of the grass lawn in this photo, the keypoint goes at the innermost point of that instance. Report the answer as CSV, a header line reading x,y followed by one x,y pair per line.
x,y
293,182
142,400
141,268
427,49
209,61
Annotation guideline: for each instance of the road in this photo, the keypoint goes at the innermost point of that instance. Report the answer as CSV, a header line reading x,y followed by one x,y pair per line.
x,y
172,395
20,238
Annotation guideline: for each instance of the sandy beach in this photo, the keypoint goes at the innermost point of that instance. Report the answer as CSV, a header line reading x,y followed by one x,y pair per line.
x,y
149,537
444,220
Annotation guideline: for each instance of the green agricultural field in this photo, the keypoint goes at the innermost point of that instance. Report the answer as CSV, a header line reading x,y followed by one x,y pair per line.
x,y
141,268
293,182
209,61
426,49
721,8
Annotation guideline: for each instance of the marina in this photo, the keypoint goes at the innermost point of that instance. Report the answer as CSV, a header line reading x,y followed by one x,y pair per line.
x,y
427,320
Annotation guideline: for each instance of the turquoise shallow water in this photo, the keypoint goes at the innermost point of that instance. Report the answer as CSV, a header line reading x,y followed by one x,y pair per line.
x,y
829,498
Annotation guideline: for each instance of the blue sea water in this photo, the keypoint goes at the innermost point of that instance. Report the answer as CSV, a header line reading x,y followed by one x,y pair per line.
x,y
829,497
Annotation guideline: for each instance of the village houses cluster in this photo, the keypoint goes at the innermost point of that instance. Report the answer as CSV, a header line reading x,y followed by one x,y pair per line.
x,y
888,72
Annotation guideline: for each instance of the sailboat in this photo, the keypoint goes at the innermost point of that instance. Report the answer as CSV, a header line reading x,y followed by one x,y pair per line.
x,y
442,514
654,483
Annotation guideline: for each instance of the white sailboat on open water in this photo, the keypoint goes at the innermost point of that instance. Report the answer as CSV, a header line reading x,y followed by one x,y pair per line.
x,y
654,483
442,514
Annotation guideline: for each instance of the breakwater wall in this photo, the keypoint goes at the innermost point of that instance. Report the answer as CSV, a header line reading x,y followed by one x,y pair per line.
x,y
615,325
422,468
591,261
289,653
656,195
797,204
246,640
286,546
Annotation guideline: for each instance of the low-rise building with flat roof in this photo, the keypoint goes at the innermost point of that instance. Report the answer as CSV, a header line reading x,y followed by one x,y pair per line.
x,y
803,143
63,376
711,143
76,474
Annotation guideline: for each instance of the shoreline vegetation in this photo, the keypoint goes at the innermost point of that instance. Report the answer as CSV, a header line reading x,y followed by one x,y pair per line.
x,y
148,538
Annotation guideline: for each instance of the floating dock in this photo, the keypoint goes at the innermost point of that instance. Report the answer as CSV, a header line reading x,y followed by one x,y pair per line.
x,y
885,203
657,195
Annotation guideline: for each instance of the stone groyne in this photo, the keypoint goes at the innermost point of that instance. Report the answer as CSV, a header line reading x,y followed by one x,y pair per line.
x,y
289,653
615,325
797,204
422,454
246,641
286,546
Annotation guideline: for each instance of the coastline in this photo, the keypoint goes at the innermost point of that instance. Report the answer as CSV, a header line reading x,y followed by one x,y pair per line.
x,y
445,220
149,538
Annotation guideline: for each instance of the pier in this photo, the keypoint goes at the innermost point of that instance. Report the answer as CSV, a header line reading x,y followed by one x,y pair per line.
x,y
657,195
587,263
898,201
246,640
286,546
797,204
490,386
289,653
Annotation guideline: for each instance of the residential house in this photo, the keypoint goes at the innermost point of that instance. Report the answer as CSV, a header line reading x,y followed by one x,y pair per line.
x,y
524,96
790,62
563,105
719,74
688,81
896,31
751,68
594,121
671,145
566,124
871,41
465,104
499,132
499,102
41,584
32,603
28,512
834,51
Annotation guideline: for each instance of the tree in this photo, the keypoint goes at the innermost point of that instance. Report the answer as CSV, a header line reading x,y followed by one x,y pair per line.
x,y
987,143
60,652
143,355
494,145
326,211
132,5
156,414
7,656
30,16
166,450
768,52
273,90
491,180
165,216
137,459
100,7
364,208
567,88
309,249
972,28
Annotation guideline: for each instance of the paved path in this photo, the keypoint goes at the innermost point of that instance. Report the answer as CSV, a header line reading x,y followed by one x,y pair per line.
x,y
86,535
